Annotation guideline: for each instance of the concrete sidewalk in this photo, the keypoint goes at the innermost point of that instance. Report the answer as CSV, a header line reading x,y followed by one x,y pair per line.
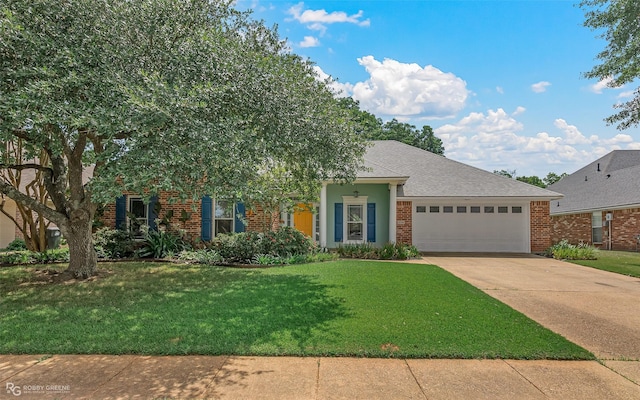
x,y
142,377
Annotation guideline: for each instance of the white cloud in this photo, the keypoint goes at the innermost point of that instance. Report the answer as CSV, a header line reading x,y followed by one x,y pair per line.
x,y
540,87
519,110
397,89
317,19
310,41
572,134
495,140
626,94
340,89
600,86
499,89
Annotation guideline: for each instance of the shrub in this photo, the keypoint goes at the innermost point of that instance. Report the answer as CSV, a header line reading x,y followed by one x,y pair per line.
x,y
32,257
16,245
287,241
247,247
16,258
238,247
114,243
200,256
390,251
160,244
564,250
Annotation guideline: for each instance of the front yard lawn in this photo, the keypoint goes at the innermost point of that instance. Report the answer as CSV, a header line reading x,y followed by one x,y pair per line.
x,y
621,262
342,308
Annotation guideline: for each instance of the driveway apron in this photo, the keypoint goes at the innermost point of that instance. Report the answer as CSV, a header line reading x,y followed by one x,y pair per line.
x,y
595,309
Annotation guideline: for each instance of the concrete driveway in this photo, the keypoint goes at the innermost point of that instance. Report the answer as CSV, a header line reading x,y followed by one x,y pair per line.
x,y
597,310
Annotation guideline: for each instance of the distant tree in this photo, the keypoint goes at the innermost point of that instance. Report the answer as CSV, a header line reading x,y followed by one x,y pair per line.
x,y
552,178
618,20
506,173
366,124
532,180
430,141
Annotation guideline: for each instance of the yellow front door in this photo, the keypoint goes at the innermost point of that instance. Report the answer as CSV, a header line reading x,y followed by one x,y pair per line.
x,y
303,219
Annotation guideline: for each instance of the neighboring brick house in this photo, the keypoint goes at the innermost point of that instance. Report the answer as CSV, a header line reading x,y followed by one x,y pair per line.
x,y
601,204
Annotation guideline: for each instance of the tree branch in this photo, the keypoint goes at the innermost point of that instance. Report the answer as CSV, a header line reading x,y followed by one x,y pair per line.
x,y
19,197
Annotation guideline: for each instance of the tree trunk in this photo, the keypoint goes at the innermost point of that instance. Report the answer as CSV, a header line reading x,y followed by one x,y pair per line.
x,y
82,255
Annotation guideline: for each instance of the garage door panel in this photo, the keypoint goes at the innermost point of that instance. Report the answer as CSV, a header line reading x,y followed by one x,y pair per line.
x,y
471,232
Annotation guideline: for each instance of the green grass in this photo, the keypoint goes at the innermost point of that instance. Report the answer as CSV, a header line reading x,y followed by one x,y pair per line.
x,y
342,308
621,262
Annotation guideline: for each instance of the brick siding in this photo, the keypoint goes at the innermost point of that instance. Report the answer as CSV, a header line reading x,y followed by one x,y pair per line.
x,y
404,222
575,228
257,219
540,225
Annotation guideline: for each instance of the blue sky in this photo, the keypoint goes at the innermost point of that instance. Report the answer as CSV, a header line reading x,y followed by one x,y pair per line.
x,y
500,82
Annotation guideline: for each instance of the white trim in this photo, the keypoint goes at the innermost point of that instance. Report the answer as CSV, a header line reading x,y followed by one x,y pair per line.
x,y
354,201
393,188
323,216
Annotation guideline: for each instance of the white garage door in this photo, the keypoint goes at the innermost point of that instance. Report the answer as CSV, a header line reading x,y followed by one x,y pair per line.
x,y
471,228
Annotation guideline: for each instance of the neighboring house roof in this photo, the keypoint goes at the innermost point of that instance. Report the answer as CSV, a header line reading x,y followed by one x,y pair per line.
x,y
612,181
432,175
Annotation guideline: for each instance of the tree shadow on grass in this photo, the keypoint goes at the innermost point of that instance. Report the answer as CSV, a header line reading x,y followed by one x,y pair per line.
x,y
177,310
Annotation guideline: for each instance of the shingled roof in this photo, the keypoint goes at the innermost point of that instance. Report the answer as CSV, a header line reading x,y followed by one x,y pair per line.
x,y
432,175
612,181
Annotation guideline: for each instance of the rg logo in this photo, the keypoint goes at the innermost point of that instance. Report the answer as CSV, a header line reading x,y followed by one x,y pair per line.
x,y
13,389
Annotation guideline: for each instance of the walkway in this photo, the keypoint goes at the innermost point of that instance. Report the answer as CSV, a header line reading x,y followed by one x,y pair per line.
x,y
138,377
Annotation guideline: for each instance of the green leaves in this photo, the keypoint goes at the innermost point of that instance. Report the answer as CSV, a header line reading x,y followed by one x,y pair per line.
x,y
190,96
618,23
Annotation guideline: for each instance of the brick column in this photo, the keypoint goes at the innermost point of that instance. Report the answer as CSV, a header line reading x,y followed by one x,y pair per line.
x,y
404,222
540,225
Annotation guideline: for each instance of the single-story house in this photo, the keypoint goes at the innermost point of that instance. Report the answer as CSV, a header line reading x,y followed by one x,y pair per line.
x,y
403,194
601,204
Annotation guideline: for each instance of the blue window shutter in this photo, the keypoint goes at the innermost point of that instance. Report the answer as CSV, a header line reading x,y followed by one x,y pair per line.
x,y
121,212
239,218
151,214
371,222
338,223
206,218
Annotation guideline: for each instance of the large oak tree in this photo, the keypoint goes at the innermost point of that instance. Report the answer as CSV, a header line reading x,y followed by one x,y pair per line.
x,y
190,96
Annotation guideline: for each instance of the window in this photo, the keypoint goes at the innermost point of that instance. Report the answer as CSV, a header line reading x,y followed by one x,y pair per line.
x,y
461,209
447,209
354,219
421,209
434,209
138,216
596,227
488,210
355,224
224,217
516,210
503,209
475,209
